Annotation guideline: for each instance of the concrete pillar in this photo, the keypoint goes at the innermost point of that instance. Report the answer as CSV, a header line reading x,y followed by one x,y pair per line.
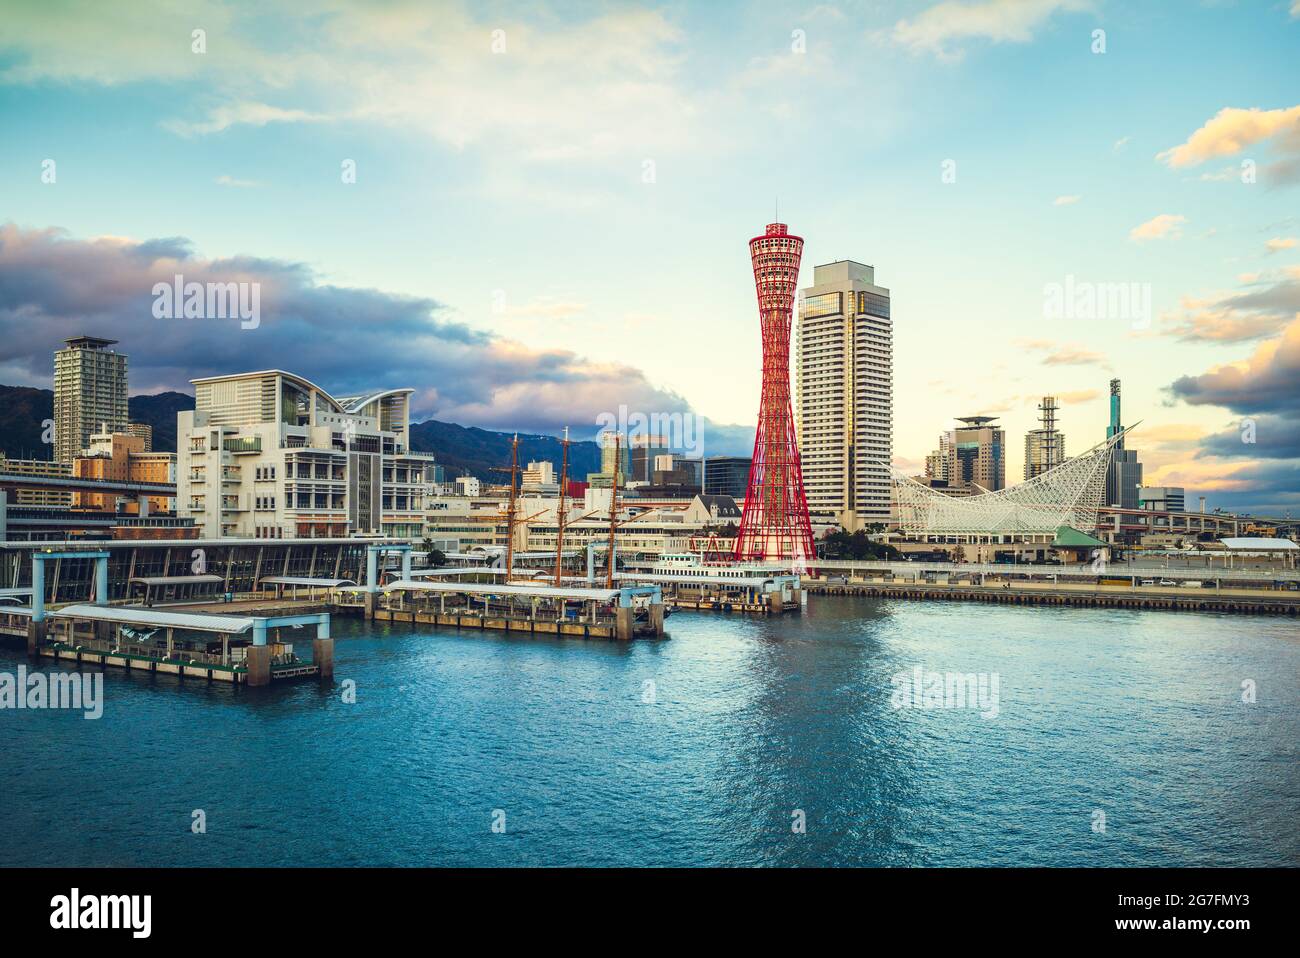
x,y
259,633
143,502
657,617
623,622
370,604
372,570
322,653
35,636
406,564
774,602
258,662
38,589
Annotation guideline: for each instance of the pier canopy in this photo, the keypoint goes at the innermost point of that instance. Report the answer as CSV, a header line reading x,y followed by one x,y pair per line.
x,y
575,593
307,580
131,615
1068,495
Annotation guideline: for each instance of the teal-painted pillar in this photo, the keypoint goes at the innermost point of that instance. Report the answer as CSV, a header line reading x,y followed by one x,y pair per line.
x,y
101,581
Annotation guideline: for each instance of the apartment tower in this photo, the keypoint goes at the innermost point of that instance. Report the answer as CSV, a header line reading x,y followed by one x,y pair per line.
x,y
89,394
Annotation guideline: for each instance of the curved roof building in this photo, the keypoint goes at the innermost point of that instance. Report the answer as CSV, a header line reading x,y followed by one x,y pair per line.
x,y
1068,495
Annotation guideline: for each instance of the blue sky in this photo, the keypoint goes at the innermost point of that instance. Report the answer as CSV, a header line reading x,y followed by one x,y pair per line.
x,y
505,251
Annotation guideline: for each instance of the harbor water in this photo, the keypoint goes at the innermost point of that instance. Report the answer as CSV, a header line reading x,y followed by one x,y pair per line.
x,y
1100,738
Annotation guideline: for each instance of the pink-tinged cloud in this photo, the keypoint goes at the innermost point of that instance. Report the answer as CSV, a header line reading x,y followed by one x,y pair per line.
x,y
1163,226
53,287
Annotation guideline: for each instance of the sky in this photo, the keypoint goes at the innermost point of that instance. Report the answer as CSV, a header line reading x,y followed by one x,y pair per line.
x,y
535,214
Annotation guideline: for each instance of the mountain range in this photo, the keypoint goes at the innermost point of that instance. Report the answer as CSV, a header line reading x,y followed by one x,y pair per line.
x,y
462,450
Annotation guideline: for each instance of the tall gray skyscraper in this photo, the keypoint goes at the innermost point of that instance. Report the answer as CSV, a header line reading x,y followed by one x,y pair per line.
x,y
844,395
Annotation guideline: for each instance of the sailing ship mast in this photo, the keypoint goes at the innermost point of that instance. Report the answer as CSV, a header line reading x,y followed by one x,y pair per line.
x,y
613,517
510,510
563,508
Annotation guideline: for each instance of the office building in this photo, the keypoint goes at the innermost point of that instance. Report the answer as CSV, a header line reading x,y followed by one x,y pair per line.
x,y
971,459
143,431
540,477
122,457
272,455
468,486
89,393
644,449
844,395
37,467
1162,498
727,476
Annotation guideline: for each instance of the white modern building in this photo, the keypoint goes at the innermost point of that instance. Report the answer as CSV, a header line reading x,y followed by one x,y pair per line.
x,y
272,455
1162,498
844,393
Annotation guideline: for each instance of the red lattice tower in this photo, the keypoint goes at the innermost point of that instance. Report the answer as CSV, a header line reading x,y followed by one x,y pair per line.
x,y
775,523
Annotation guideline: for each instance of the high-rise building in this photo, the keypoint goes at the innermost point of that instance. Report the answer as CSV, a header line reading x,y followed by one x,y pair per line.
x,y
1045,446
1125,474
644,449
844,394
89,394
936,464
774,525
972,455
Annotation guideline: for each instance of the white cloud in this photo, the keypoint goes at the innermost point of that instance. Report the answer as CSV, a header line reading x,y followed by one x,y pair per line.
x,y
594,88
236,114
936,29
1066,200
1164,226
1279,243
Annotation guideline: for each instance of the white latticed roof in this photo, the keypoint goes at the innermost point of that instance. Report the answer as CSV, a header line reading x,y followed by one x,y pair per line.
x,y
1067,495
